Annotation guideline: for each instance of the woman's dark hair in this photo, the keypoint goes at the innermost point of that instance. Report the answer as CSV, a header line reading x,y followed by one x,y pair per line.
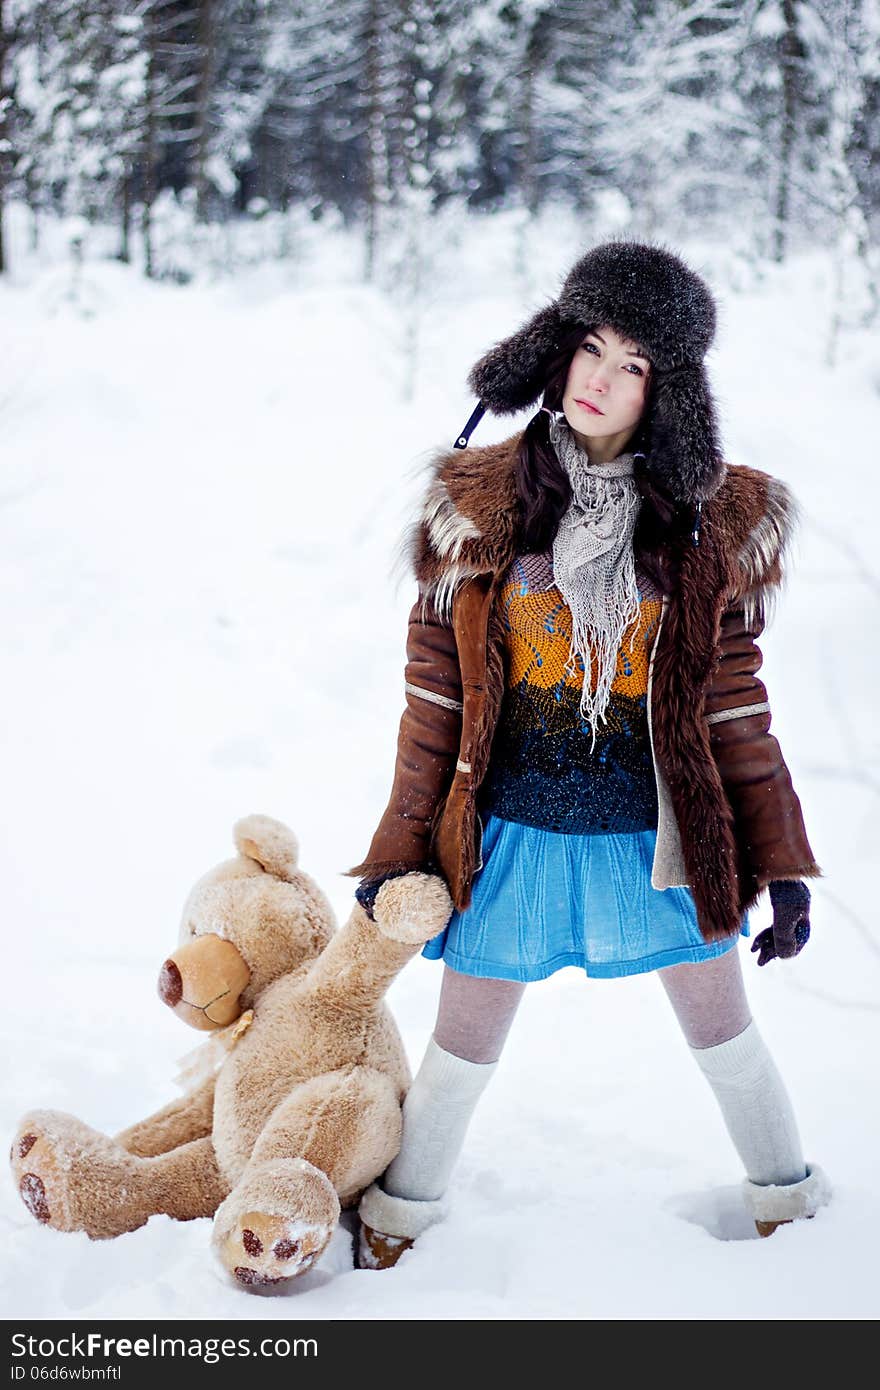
x,y
545,492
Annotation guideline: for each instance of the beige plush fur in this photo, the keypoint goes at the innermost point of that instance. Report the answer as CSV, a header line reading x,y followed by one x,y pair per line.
x,y
293,1106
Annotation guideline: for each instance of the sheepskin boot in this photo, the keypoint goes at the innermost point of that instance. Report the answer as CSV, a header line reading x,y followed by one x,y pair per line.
x,y
410,1196
378,1251
381,1213
773,1205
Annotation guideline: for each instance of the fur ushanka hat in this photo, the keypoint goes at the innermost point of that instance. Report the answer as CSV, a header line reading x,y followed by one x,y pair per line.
x,y
646,294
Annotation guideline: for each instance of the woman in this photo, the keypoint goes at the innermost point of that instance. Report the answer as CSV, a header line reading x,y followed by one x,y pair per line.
x,y
624,822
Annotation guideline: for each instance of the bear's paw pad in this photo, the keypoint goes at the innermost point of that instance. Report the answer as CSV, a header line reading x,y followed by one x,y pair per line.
x,y
33,1194
262,1250
37,1171
22,1148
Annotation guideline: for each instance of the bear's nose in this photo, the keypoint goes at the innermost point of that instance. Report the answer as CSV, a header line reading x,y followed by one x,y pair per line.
x,y
170,984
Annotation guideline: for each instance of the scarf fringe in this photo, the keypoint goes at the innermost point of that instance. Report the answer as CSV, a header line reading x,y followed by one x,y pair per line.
x,y
594,566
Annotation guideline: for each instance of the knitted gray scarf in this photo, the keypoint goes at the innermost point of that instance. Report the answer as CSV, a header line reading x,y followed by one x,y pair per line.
x,y
593,563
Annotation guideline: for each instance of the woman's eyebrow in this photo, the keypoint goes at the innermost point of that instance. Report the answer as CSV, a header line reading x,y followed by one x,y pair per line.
x,y
644,356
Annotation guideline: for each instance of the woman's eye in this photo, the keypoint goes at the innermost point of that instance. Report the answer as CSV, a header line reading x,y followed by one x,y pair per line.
x,y
589,347
637,368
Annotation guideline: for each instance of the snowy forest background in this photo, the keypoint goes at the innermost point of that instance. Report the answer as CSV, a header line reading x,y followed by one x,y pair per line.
x,y
203,131
249,253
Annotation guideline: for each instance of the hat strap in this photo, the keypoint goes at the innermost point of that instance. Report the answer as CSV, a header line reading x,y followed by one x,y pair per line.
x,y
476,416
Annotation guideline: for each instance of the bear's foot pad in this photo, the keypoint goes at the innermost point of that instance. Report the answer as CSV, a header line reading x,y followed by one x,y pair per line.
x,y
261,1249
33,1194
38,1174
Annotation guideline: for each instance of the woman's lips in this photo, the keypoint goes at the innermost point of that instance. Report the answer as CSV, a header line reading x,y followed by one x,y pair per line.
x,y
587,405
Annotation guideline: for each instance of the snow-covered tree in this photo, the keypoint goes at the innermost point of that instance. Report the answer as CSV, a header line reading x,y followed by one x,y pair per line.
x,y
664,119
757,117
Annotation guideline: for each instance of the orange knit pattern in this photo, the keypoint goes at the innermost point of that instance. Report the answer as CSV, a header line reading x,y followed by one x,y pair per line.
x,y
539,639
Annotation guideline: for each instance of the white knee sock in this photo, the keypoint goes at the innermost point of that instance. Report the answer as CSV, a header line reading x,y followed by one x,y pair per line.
x,y
755,1106
436,1114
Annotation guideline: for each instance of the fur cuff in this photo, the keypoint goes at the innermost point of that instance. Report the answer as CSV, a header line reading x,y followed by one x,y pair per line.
x,y
791,1202
398,1216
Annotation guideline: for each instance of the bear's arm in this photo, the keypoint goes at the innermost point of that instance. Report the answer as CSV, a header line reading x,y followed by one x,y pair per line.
x,y
189,1117
355,969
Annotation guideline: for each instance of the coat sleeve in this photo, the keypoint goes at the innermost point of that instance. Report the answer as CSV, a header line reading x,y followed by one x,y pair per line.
x,y
770,824
428,744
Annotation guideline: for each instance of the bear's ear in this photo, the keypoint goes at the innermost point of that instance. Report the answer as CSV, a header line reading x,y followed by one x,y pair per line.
x,y
270,842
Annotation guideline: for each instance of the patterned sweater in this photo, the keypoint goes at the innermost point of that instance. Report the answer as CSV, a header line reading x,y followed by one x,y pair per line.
x,y
542,771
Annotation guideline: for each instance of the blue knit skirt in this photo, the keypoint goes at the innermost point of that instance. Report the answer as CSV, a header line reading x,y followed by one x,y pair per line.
x,y
543,900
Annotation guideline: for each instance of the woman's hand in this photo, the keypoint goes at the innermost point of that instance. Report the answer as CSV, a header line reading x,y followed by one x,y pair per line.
x,y
791,922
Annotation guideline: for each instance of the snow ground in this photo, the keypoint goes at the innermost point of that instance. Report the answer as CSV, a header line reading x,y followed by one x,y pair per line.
x,y
200,493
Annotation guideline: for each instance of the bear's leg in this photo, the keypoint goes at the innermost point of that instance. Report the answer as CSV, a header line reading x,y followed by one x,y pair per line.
x,y
189,1117
321,1147
74,1178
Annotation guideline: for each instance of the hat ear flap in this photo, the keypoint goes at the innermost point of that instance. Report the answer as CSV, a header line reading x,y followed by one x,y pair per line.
x,y
513,374
685,454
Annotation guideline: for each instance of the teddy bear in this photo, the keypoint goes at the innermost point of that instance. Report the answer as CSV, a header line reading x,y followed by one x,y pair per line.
x,y
292,1106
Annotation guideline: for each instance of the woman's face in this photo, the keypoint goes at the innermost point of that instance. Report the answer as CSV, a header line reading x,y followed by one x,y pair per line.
x,y
605,390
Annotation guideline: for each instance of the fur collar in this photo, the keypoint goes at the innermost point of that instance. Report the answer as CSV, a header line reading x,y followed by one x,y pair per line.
x,y
469,525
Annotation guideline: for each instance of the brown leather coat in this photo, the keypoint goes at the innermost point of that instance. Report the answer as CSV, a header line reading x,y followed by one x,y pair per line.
x,y
729,819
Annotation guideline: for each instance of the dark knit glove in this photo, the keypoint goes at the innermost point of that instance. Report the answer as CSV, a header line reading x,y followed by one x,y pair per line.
x,y
791,921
